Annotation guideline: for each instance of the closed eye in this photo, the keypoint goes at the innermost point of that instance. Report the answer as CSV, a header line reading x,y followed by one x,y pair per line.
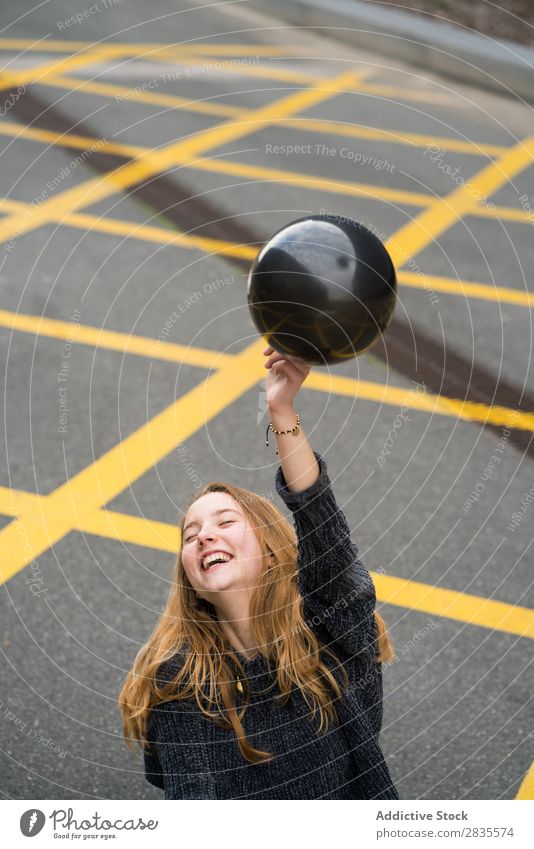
x,y
225,522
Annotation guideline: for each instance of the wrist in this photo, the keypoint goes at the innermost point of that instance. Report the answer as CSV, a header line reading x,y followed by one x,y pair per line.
x,y
280,416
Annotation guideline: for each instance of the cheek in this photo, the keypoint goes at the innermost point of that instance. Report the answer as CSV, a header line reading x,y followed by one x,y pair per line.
x,y
188,564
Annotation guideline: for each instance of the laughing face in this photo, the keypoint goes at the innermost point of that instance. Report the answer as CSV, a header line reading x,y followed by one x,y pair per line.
x,y
220,550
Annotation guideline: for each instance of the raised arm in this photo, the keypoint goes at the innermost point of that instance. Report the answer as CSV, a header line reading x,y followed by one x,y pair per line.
x,y
286,376
338,591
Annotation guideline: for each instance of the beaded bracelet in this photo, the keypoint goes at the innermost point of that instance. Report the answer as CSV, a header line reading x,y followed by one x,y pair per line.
x,y
294,430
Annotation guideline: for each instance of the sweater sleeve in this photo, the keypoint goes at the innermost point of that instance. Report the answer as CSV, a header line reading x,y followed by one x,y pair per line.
x,y
337,590
177,757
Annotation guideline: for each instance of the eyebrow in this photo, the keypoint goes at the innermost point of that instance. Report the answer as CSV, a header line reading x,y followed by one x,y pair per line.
x,y
215,513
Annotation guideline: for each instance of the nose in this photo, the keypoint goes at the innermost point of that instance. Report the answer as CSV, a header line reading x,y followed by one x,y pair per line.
x,y
205,534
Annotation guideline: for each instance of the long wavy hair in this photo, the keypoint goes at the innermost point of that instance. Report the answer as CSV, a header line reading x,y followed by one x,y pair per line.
x,y
209,665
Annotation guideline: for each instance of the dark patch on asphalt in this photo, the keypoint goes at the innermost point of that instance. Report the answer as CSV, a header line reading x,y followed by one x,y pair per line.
x,y
405,347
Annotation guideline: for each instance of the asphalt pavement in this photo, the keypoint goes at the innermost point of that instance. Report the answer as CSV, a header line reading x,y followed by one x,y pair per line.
x,y
147,153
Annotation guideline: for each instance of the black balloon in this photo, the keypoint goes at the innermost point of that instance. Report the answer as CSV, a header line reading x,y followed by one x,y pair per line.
x,y
323,288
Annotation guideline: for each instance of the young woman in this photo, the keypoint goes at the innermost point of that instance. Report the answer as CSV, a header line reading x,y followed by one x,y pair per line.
x,y
262,679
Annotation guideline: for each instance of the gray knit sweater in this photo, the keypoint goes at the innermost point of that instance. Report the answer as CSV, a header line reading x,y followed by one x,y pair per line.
x,y
191,757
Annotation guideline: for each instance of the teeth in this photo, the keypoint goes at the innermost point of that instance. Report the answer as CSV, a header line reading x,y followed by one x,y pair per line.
x,y
211,558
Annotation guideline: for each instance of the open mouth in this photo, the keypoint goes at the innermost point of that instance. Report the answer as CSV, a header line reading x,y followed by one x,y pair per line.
x,y
216,563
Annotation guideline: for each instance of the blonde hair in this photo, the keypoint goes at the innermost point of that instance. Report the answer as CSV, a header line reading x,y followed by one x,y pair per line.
x,y
281,633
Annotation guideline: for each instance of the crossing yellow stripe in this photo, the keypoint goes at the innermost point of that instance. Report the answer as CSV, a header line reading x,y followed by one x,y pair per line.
x,y
304,124
154,162
526,791
331,384
35,531
149,233
40,73
299,179
484,612
464,200
143,49
427,402
412,595
466,289
360,131
113,340
172,101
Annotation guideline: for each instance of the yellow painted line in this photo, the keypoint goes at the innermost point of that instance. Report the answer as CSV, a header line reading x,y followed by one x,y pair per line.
x,y
13,502
466,289
526,791
507,213
417,95
243,69
366,390
171,101
142,232
237,169
136,49
359,131
39,74
144,51
104,522
35,531
71,140
149,233
305,124
416,140
463,607
303,180
251,172
158,234
154,162
446,211
428,403
113,340
131,529
401,592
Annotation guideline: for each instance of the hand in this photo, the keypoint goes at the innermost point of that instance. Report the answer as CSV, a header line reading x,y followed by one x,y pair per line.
x,y
286,375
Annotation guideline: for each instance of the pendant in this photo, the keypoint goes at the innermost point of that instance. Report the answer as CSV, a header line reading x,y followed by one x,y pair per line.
x,y
239,686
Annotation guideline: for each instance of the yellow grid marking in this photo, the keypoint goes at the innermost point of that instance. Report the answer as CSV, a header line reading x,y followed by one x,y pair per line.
x,y
39,74
442,602
360,131
154,162
135,49
150,233
445,211
152,51
119,467
205,107
427,403
112,340
223,166
400,592
244,69
354,388
467,289
526,791
106,89
507,213
144,232
34,531
415,140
